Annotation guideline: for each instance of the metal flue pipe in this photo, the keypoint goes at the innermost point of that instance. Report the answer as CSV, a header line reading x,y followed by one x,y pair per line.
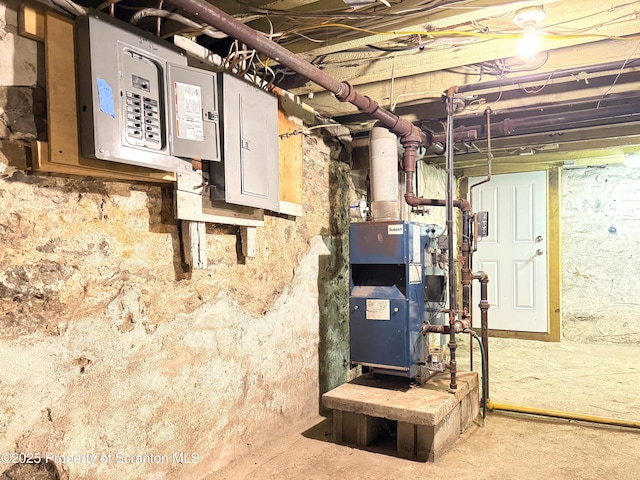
x,y
343,91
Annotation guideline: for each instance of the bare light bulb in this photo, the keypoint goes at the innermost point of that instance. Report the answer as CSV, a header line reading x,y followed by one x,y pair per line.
x,y
528,45
528,19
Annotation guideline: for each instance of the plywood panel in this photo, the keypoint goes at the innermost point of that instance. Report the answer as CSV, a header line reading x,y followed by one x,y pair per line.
x,y
290,148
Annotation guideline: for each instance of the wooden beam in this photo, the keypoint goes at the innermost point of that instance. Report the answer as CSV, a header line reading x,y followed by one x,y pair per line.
x,y
194,244
422,88
248,236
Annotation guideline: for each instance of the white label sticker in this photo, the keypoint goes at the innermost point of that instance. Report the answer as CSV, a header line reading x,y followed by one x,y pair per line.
x,y
378,309
415,273
188,104
397,229
416,244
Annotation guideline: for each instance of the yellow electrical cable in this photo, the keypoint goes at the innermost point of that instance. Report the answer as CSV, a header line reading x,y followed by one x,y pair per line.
x,y
564,415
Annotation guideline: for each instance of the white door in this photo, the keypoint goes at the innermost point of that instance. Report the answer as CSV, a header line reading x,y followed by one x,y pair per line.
x,y
514,255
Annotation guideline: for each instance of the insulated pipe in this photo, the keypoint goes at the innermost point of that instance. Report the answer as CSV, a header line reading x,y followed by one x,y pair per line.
x,y
564,415
383,165
343,91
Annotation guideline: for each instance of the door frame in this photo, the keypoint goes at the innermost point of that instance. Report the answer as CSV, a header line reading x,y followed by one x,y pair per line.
x,y
554,265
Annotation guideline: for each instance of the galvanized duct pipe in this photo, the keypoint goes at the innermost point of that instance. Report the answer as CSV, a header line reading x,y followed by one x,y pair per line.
x,y
383,167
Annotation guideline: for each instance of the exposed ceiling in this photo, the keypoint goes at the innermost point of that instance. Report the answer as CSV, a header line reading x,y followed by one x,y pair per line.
x,y
578,99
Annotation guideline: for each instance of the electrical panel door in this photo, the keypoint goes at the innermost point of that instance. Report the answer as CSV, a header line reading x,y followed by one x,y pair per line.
x,y
140,100
194,113
250,172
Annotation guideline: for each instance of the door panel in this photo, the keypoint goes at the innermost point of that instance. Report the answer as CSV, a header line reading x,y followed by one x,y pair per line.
x,y
513,255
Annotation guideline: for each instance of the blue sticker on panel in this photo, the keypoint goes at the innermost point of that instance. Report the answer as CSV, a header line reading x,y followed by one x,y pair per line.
x,y
105,95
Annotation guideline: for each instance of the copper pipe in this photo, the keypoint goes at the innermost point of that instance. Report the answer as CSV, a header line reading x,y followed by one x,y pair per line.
x,y
487,112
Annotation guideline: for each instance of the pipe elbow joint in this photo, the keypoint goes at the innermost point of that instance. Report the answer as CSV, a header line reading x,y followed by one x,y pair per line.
x,y
463,205
411,199
482,276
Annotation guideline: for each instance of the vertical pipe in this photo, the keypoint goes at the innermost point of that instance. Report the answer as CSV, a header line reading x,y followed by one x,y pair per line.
x,y
467,276
484,326
452,284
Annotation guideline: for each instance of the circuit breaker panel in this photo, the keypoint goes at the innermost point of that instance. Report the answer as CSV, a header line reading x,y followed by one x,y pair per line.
x,y
139,103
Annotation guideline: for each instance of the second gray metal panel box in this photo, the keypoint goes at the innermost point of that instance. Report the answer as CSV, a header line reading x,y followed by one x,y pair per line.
x,y
249,173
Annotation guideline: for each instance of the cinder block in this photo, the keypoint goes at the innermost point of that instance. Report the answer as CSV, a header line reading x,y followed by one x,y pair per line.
x,y
433,442
469,409
406,440
369,429
357,429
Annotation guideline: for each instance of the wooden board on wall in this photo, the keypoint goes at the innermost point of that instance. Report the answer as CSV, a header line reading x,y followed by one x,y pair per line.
x,y
291,158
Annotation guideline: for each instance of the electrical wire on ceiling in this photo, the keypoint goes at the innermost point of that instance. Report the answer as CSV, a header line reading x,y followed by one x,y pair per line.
x,y
615,80
70,7
348,13
159,20
154,12
308,130
499,68
106,4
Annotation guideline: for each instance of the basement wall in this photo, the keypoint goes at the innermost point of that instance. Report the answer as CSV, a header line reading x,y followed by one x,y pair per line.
x,y
601,254
111,348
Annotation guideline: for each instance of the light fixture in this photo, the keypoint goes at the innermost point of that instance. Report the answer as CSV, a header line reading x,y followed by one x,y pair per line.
x,y
528,19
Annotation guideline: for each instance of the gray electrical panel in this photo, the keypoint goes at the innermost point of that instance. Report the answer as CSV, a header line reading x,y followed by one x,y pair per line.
x,y
250,172
138,101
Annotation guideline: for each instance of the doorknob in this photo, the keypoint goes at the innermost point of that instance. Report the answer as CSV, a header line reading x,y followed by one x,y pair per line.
x,y
539,252
539,238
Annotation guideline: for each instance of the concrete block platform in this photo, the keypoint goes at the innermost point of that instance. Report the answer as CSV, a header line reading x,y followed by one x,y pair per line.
x,y
429,419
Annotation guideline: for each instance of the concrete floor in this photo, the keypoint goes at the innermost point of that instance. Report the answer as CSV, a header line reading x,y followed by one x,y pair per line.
x,y
595,379
505,448
591,379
